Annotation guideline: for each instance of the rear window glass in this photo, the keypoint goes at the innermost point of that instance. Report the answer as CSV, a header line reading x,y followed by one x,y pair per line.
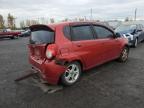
x,y
41,37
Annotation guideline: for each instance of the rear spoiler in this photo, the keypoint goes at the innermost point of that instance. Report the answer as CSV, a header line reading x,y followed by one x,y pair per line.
x,y
41,27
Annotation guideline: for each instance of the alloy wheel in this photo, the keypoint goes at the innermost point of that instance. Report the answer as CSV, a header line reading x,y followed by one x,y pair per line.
x,y
125,54
72,73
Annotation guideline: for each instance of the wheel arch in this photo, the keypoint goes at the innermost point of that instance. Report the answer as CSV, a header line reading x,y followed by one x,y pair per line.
x,y
66,63
76,60
64,60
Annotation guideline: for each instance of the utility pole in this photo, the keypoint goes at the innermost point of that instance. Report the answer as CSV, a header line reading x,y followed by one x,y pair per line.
x,y
135,14
85,18
91,14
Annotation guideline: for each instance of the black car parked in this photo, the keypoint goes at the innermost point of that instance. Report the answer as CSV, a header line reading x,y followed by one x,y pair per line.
x,y
133,32
26,33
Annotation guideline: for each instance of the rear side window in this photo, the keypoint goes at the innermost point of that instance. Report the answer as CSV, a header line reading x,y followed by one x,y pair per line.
x,y
66,32
41,37
102,32
82,33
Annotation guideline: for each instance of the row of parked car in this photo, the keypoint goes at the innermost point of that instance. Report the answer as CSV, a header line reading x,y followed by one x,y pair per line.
x,y
59,53
8,33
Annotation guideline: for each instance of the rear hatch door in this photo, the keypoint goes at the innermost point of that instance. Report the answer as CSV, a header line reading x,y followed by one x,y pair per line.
x,y
41,36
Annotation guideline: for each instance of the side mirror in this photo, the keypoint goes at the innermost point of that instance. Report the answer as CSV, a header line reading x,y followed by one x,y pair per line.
x,y
134,31
118,35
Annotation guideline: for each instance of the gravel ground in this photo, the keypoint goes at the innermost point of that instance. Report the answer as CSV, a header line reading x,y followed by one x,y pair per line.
x,y
112,85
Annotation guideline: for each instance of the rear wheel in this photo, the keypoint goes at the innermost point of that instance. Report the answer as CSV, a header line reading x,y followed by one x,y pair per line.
x,y
12,37
71,74
124,55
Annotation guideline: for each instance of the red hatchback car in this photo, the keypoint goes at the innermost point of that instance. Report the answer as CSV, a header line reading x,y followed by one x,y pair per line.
x,y
61,52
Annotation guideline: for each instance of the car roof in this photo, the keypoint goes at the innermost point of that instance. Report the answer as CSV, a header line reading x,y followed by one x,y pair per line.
x,y
54,25
75,23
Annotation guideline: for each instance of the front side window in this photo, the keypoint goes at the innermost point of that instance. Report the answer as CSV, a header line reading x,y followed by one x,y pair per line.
x,y
82,33
102,32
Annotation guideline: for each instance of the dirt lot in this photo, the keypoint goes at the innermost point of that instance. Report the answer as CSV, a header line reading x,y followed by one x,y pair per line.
x,y
112,85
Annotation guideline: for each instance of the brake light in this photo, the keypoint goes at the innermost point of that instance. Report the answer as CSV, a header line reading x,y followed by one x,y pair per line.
x,y
51,51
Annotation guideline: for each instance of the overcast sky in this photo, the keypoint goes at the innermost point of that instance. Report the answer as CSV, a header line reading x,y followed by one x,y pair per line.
x,y
59,9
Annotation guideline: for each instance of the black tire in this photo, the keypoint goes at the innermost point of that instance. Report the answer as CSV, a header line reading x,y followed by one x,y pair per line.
x,y
12,37
64,80
124,55
135,43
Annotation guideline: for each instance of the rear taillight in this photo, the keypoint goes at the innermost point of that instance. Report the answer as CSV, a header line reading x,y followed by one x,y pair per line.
x,y
51,51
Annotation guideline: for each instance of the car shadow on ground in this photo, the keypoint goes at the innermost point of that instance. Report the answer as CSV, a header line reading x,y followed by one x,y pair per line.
x,y
6,39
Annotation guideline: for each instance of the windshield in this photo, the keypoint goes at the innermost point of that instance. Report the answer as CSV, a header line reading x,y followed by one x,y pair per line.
x,y
125,28
41,37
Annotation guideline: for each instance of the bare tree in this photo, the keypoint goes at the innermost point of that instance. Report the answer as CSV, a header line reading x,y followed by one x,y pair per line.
x,y
126,19
81,19
1,22
43,21
28,23
65,20
76,19
31,22
52,20
22,24
11,21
